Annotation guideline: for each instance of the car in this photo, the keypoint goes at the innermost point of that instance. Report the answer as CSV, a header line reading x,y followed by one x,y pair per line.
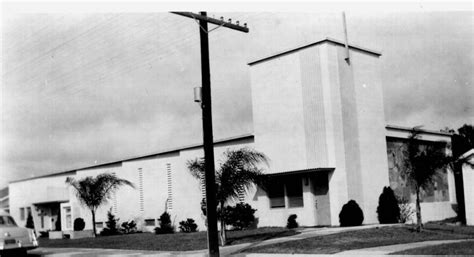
x,y
15,240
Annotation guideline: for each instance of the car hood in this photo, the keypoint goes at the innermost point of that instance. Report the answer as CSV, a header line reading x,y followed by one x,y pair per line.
x,y
13,232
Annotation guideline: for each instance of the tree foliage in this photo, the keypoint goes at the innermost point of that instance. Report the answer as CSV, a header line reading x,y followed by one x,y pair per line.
x,y
165,224
79,224
188,226
351,214
291,221
111,225
240,216
388,210
237,172
421,166
92,192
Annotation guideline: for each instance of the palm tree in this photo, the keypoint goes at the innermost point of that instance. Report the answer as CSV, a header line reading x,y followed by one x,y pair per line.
x,y
421,167
238,171
95,191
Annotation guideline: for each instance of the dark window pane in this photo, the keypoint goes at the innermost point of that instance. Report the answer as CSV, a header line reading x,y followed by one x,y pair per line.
x,y
294,191
276,193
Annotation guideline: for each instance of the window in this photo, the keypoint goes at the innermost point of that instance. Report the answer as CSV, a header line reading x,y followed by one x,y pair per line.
x,y
150,222
292,188
22,213
294,191
99,224
67,212
7,220
276,193
28,211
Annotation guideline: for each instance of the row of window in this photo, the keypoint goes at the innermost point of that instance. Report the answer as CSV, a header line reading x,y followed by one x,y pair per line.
x,y
288,192
24,212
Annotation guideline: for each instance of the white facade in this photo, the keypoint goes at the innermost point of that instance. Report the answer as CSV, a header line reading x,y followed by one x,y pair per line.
x,y
319,120
468,180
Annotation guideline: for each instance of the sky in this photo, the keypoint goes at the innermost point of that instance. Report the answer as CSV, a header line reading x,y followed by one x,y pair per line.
x,y
82,88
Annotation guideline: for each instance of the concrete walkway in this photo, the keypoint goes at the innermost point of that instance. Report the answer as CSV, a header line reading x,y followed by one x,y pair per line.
x,y
384,250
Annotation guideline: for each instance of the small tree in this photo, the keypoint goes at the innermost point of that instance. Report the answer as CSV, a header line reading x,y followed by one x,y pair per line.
x,y
421,166
351,214
406,211
237,172
129,227
29,221
111,225
79,224
291,222
240,216
188,226
92,192
388,210
165,225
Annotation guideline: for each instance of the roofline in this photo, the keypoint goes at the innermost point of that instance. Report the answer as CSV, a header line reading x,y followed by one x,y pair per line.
x,y
328,39
425,131
467,154
44,176
166,151
298,172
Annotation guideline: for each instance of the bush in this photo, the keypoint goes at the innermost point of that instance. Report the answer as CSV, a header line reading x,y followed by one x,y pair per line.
x,y
44,234
291,222
79,224
351,214
388,210
240,216
111,225
406,211
165,224
188,226
129,227
29,222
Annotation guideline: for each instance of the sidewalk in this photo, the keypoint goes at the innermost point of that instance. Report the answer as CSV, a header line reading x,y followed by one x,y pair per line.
x,y
384,250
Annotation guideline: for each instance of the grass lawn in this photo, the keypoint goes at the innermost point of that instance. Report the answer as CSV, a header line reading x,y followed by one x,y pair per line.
x,y
364,238
166,242
463,248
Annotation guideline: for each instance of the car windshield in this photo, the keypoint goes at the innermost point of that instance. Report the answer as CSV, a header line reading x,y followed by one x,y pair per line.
x,y
7,221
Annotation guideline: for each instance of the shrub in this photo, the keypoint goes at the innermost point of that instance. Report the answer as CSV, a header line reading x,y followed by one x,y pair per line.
x,y
240,216
351,214
406,211
188,226
111,225
291,222
44,234
79,224
165,224
129,227
388,210
29,222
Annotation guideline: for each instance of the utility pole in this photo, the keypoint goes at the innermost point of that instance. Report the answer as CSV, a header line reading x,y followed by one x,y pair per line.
x,y
211,203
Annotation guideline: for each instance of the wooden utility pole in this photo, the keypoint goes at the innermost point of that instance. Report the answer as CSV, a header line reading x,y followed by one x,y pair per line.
x,y
211,203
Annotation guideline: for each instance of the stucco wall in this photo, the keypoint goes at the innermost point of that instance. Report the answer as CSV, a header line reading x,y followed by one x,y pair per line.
x,y
468,181
41,190
278,117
